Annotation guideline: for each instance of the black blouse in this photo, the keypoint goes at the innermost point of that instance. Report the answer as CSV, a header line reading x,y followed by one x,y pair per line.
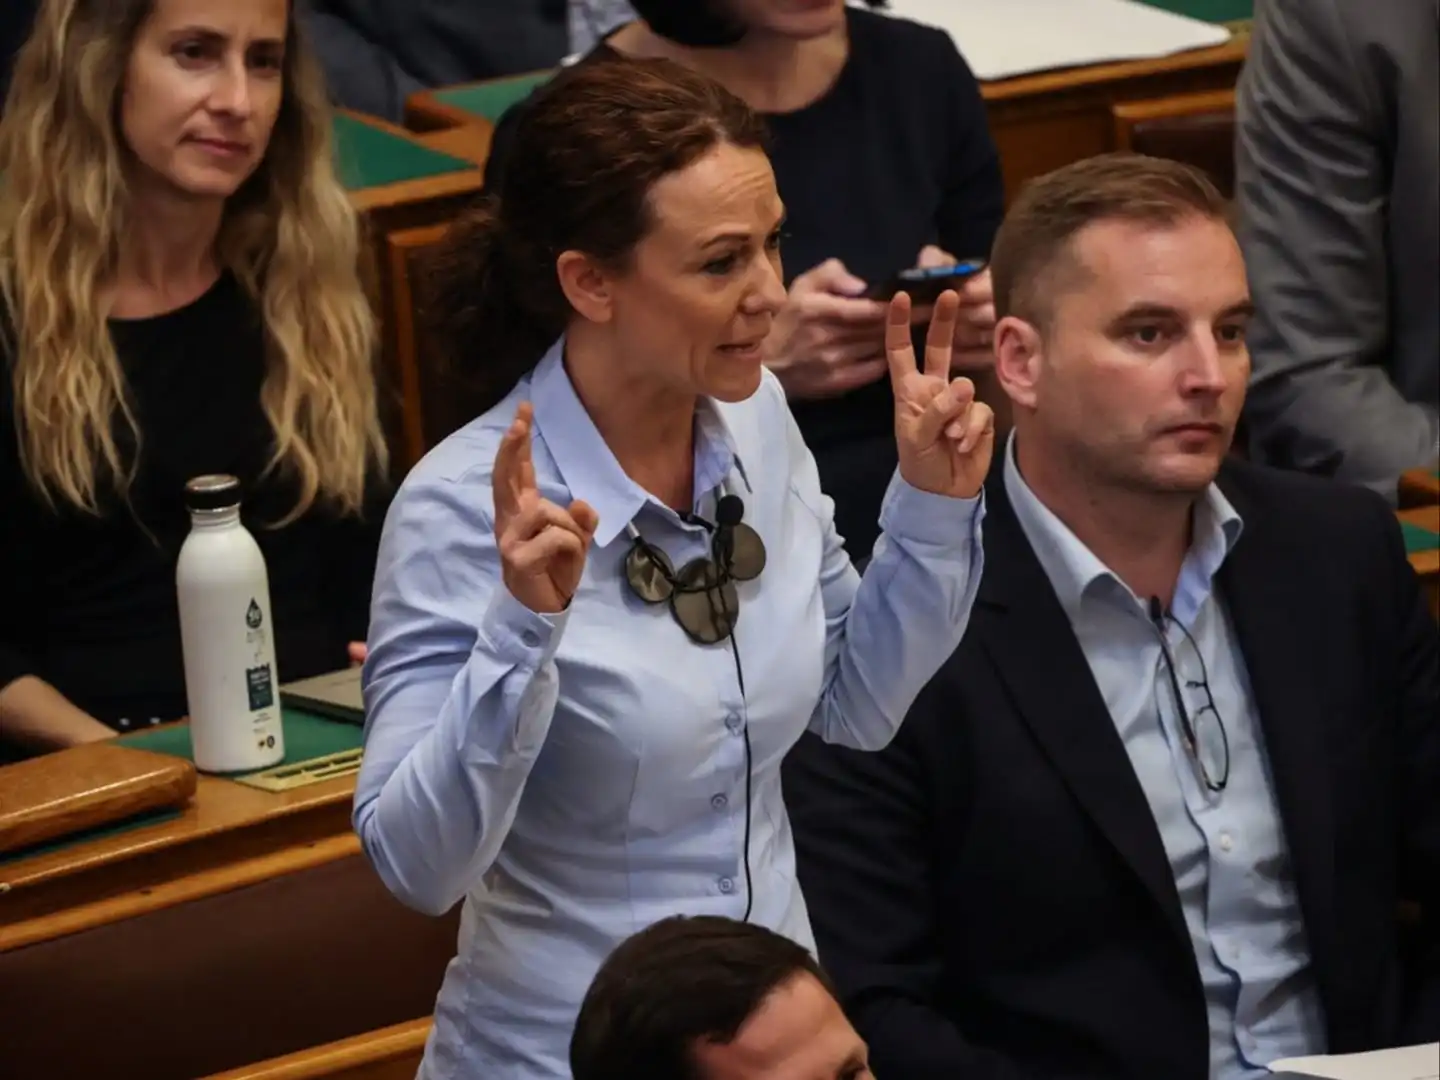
x,y
89,602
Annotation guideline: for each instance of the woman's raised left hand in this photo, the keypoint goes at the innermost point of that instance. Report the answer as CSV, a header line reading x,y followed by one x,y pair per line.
x,y
945,437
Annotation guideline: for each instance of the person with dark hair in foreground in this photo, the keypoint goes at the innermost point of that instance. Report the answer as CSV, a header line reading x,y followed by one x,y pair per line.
x,y
710,998
1157,816
883,156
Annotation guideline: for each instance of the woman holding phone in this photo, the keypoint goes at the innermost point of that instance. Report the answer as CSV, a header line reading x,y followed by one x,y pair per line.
x,y
883,155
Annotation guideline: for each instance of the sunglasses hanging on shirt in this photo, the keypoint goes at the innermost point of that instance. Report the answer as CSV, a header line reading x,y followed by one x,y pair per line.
x,y
702,594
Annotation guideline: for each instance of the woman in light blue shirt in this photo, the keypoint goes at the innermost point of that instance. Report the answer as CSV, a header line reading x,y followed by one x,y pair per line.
x,y
562,729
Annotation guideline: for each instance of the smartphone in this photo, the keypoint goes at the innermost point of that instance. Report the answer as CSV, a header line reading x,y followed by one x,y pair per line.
x,y
926,285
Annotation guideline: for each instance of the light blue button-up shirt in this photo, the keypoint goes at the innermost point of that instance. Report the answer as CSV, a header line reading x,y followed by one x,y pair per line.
x,y
575,778
1226,849
592,20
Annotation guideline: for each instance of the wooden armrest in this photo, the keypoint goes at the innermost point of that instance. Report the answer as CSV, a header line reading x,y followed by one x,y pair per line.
x,y
376,1055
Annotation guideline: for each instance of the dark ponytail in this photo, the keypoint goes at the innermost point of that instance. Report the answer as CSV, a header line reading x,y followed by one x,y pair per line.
x,y
492,311
586,151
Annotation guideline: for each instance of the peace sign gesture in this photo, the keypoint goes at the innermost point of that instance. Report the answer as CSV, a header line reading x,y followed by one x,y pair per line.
x,y
542,547
945,437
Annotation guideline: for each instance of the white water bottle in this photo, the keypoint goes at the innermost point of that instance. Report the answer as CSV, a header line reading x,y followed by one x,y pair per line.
x,y
227,635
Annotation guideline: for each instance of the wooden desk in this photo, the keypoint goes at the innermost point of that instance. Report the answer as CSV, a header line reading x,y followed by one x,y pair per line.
x,y
1420,487
1427,563
392,1053
248,927
469,141
413,203
1041,122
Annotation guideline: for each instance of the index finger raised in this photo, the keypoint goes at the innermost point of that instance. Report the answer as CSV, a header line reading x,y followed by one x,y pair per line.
x,y
508,477
899,348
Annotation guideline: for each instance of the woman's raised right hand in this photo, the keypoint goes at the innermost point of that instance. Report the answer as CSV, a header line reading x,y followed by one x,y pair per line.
x,y
542,546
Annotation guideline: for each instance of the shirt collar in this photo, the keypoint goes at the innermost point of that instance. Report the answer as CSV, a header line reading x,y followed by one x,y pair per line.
x,y
1074,570
588,468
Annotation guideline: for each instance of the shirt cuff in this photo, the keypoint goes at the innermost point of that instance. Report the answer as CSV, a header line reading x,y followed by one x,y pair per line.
x,y
924,517
518,636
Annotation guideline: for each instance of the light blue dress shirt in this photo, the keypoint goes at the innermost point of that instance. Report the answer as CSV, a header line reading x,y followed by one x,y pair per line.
x,y
1226,849
575,778
592,20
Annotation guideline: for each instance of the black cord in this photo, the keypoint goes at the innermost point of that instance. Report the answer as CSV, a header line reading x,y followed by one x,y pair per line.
x,y
722,550
749,777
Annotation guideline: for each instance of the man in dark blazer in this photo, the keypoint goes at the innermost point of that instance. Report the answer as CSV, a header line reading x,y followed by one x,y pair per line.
x,y
1172,809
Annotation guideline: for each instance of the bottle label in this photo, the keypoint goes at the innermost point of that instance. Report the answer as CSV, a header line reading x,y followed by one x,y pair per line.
x,y
262,687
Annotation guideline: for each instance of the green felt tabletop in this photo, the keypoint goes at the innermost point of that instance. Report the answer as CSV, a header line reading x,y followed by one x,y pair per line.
x,y
1213,11
368,156
492,99
307,737
1419,539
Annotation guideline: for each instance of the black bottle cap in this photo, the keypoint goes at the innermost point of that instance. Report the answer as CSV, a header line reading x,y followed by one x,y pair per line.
x,y
213,492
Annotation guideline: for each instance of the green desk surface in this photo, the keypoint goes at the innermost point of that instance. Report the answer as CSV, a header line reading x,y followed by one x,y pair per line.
x,y
307,737
1419,539
1213,11
368,156
492,99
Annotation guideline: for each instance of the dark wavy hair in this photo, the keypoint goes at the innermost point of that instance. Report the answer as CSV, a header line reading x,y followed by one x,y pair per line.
x,y
585,154
700,24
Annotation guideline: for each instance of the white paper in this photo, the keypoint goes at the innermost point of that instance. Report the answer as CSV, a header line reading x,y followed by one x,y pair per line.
x,y
1410,1063
1001,38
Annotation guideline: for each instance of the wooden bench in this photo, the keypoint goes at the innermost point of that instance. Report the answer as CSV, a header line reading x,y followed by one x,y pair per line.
x,y
392,1053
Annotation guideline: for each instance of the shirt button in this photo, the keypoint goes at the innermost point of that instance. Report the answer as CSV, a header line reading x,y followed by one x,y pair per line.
x,y
1226,841
719,802
530,638
727,886
734,723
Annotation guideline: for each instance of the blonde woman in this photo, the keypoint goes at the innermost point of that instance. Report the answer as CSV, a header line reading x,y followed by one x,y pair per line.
x,y
178,270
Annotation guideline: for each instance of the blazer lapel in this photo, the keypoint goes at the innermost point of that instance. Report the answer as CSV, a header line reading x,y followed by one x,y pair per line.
x,y
1028,638
1275,622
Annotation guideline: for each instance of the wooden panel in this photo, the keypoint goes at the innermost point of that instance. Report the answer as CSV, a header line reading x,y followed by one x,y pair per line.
x,y
289,962
1129,114
392,1053
1420,487
85,787
221,840
435,404
390,208
1198,129
468,141
1041,122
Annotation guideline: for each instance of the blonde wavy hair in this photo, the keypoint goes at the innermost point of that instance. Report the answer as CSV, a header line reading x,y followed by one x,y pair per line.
x,y
289,235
